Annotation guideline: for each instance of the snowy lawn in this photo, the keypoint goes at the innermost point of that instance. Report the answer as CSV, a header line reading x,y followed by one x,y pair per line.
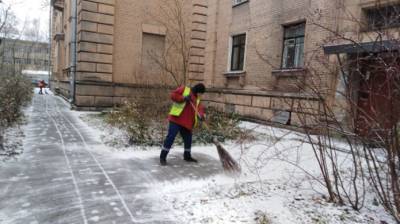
x,y
14,136
279,183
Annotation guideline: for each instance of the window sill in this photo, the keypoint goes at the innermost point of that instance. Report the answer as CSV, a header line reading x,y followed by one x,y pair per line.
x,y
240,3
289,72
375,29
234,74
239,75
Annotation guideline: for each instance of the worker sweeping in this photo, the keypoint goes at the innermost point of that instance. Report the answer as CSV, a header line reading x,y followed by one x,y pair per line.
x,y
185,114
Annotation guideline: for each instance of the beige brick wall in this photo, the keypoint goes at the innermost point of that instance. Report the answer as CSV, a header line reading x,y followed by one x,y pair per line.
x,y
132,20
263,23
95,40
111,50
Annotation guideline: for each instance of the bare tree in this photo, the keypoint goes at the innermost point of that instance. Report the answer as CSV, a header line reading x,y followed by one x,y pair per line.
x,y
175,60
369,99
355,100
15,89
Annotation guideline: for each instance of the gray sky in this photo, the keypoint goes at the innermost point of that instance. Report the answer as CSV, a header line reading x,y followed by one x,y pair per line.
x,y
28,10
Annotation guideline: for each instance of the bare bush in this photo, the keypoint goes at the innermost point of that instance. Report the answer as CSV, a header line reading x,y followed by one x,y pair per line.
x,y
354,98
363,111
144,119
15,92
223,126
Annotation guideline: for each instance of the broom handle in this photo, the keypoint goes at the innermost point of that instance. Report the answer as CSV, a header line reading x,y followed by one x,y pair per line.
x,y
198,114
215,140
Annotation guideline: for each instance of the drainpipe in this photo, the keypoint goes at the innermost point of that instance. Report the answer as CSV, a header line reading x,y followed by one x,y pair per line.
x,y
50,42
73,49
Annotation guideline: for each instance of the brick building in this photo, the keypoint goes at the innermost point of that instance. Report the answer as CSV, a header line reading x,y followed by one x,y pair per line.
x,y
114,39
252,54
250,61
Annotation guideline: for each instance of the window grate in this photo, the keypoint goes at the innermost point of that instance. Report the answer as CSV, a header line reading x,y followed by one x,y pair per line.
x,y
383,17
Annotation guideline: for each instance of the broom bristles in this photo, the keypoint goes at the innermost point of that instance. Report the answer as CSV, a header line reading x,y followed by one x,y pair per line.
x,y
228,163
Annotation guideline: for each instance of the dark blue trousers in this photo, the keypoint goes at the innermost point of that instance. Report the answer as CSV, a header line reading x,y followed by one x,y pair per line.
x,y
173,131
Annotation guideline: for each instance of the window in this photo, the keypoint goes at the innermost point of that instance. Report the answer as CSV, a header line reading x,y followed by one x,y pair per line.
x,y
7,60
20,61
153,49
238,2
238,52
293,46
383,17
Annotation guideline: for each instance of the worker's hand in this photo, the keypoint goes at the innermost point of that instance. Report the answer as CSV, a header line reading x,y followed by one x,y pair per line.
x,y
187,98
201,118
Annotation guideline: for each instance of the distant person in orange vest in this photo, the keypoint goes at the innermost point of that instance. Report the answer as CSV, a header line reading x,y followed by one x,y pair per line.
x,y
42,84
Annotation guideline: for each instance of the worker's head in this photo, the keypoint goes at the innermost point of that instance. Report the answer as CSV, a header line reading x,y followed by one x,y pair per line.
x,y
199,89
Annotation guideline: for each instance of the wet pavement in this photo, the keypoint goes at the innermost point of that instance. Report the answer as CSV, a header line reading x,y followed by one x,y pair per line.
x,y
61,178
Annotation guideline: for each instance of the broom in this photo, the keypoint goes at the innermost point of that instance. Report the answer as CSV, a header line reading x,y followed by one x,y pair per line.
x,y
228,163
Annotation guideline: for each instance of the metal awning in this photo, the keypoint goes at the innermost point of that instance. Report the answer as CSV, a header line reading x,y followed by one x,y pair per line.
x,y
358,48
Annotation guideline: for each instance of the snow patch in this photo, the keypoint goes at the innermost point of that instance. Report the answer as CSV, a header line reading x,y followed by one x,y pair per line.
x,y
279,181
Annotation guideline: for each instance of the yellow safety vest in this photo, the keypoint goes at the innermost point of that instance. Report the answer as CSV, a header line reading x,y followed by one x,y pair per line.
x,y
177,108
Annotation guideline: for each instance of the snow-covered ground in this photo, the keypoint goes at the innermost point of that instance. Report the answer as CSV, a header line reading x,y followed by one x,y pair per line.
x,y
278,183
13,138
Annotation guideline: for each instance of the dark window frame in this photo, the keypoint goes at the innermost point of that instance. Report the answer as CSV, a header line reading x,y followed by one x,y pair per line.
x,y
382,13
240,57
295,38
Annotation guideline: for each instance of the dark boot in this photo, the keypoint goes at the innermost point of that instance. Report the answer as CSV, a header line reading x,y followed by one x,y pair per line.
x,y
188,157
163,157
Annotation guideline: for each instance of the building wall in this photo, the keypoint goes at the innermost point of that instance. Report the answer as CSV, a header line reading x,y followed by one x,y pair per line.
x,y
263,88
115,35
132,23
61,40
110,48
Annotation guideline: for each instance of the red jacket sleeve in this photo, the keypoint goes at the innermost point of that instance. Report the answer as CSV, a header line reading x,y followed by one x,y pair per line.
x,y
177,95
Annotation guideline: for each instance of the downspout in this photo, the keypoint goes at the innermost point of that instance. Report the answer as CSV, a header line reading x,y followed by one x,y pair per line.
x,y
73,49
216,23
50,41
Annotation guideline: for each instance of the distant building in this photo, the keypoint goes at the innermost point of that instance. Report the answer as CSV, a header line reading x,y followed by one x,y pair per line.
x,y
36,76
21,55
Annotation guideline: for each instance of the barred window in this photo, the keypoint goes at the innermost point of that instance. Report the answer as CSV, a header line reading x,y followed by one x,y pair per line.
x,y
383,17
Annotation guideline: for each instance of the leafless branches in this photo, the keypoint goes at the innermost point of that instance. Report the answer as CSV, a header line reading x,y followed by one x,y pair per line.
x,y
370,100
358,105
175,60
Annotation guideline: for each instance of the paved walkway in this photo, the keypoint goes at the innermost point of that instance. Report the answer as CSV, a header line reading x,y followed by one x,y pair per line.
x,y
60,178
